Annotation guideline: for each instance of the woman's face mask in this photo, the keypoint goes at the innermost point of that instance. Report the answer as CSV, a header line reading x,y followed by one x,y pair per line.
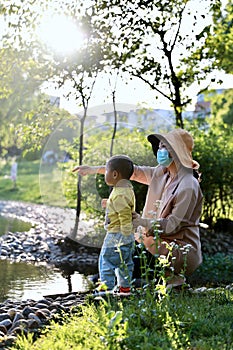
x,y
163,157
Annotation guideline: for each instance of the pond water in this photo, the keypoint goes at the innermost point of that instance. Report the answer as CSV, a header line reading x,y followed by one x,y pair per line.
x,y
22,281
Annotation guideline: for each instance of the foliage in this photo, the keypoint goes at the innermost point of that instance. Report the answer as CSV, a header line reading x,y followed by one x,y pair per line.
x,y
27,116
216,270
213,150
126,36
222,109
218,46
39,124
103,327
152,318
27,182
182,321
149,41
96,152
18,87
216,39
35,185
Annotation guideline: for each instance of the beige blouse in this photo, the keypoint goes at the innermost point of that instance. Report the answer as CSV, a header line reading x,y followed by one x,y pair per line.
x,y
180,205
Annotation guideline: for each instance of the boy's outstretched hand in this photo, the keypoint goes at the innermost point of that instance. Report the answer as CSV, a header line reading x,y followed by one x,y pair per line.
x,y
82,169
89,170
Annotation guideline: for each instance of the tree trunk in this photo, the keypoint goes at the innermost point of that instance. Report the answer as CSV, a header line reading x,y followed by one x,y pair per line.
x,y
73,234
178,115
115,123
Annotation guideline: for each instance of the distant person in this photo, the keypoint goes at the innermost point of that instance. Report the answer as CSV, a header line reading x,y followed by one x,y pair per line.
x,y
14,169
116,256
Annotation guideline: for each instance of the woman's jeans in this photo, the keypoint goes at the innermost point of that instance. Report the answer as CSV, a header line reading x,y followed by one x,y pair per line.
x,y
116,260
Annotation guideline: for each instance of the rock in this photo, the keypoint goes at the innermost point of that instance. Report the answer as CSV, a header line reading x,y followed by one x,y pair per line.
x,y
7,323
33,324
200,290
18,316
35,317
19,330
2,335
27,310
3,329
43,314
4,317
22,323
41,305
44,301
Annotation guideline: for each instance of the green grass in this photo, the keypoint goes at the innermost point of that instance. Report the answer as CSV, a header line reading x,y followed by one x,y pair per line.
x,y
27,188
178,321
35,183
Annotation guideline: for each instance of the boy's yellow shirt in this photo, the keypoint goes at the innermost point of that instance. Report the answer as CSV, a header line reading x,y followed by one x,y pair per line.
x,y
120,205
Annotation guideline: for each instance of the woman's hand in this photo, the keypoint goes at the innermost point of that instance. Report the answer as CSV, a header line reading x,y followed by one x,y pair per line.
x,y
104,203
139,221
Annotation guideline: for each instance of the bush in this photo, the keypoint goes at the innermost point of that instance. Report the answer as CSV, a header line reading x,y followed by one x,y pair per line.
x,y
216,270
133,144
213,150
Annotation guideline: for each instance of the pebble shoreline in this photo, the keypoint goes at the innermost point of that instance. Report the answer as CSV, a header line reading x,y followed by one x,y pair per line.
x,y
44,243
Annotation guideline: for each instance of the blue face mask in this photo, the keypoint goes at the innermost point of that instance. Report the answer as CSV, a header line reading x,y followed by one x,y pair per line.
x,y
163,157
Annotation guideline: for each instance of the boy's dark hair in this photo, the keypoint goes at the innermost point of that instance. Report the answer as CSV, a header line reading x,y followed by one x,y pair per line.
x,y
122,164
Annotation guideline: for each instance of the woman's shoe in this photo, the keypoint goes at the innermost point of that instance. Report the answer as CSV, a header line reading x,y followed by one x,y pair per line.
x,y
176,281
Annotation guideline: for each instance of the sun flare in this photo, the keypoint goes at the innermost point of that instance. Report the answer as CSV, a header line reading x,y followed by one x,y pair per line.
x,y
60,34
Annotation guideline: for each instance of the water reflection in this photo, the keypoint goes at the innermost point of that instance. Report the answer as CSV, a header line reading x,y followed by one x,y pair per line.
x,y
8,224
21,281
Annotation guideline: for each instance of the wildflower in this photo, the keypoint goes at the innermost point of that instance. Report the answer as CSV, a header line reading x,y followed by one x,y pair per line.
x,y
163,259
187,247
157,204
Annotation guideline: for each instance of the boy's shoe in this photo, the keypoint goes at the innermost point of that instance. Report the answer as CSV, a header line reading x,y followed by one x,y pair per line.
x,y
122,292
101,290
101,293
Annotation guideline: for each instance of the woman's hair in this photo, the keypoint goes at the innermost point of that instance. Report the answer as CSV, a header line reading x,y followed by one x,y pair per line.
x,y
197,175
123,165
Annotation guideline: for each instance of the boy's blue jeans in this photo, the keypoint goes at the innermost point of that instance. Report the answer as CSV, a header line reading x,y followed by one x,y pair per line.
x,y
116,260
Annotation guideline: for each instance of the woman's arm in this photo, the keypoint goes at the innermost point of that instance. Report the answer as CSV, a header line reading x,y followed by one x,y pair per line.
x,y
184,211
144,174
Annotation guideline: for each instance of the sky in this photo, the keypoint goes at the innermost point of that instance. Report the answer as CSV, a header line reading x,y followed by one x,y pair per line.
x,y
135,92
131,93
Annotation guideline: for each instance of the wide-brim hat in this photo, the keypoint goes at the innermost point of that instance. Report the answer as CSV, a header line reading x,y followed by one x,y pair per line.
x,y
181,143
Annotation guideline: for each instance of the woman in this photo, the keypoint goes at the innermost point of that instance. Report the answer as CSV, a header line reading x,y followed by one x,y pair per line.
x,y
174,202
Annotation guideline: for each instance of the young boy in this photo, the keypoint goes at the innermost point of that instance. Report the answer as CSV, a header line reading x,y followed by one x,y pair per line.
x,y
115,260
